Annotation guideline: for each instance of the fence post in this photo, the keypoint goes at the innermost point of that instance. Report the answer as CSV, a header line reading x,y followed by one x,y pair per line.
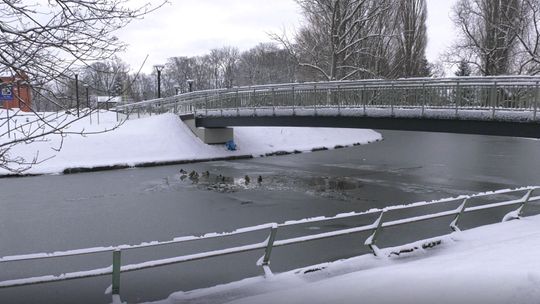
x,y
493,99
370,241
423,99
339,94
525,201
516,214
293,101
206,104
363,98
273,102
393,95
116,272
535,101
328,97
220,98
268,251
316,99
458,97
237,103
254,107
454,223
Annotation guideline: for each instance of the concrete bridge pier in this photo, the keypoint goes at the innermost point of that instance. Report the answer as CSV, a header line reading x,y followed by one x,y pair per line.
x,y
208,135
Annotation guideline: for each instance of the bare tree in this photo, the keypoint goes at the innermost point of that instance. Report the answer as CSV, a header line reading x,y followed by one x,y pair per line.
x,y
42,43
488,34
107,78
411,39
224,63
266,63
142,87
178,70
337,33
526,28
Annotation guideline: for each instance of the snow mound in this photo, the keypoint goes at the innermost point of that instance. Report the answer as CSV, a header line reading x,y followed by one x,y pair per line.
x,y
165,138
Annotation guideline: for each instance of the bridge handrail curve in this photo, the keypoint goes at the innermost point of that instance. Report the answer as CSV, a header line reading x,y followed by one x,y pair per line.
x,y
488,92
464,81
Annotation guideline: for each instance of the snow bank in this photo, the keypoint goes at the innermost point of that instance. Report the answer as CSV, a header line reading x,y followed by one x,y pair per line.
x,y
165,138
491,264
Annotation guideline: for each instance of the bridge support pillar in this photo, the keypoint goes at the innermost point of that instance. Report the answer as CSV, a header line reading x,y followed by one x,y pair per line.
x,y
208,135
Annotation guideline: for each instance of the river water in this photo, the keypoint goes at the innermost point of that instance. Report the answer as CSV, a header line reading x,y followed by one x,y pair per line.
x,y
48,213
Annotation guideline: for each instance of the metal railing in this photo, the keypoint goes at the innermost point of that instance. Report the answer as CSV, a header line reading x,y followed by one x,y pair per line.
x,y
497,97
272,242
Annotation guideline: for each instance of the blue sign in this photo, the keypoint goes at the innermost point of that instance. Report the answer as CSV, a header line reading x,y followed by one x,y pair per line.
x,y
6,93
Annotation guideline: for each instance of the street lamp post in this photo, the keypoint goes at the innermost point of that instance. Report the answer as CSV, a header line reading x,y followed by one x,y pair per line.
x,y
77,92
88,101
87,96
159,68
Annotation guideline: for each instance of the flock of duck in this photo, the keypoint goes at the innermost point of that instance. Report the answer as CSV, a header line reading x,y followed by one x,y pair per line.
x,y
195,177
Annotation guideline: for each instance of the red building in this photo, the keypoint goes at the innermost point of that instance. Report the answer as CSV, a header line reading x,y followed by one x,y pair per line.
x,y
15,92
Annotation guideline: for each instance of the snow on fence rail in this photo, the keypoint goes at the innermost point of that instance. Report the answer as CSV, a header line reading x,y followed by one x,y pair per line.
x,y
494,94
271,242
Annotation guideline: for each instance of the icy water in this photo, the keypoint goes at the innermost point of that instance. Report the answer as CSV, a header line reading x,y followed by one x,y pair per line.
x,y
48,213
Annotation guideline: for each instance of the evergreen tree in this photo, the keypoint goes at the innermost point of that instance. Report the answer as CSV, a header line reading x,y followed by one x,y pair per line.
x,y
463,69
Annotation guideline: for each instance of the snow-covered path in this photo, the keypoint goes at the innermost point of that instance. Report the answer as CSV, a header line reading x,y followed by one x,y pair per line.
x,y
165,138
490,264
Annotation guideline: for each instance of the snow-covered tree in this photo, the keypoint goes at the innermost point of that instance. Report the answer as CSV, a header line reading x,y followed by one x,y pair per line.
x,y
338,36
45,43
488,34
411,39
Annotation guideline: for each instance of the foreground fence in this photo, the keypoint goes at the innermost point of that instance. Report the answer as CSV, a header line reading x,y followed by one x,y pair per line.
x,y
460,95
526,195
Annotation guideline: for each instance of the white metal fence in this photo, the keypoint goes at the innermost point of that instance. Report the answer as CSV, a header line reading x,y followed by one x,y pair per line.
x,y
526,195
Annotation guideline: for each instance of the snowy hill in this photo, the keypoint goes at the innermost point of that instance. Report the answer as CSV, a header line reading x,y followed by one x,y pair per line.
x,y
165,138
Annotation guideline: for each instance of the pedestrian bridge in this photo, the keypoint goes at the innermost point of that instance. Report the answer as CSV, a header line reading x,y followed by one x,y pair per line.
x,y
499,105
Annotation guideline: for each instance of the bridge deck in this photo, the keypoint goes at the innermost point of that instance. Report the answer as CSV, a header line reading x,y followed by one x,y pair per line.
x,y
473,121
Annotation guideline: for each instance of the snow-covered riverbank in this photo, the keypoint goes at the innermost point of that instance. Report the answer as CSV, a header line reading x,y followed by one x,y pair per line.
x,y
491,264
165,138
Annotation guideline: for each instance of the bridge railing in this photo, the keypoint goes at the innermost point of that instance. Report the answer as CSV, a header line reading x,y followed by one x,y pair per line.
x,y
385,218
497,97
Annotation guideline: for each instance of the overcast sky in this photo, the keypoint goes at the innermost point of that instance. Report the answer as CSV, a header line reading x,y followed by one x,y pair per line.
x,y
193,27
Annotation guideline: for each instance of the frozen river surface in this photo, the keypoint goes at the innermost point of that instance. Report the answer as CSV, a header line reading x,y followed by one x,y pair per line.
x,y
48,213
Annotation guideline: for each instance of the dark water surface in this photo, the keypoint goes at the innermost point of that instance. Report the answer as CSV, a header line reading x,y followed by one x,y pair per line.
x,y
48,213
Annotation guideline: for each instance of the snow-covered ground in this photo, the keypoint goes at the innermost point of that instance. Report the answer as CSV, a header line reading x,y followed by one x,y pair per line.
x,y
162,138
491,264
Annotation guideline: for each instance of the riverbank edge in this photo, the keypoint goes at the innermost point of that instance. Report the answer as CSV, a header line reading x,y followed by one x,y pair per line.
x,y
75,170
